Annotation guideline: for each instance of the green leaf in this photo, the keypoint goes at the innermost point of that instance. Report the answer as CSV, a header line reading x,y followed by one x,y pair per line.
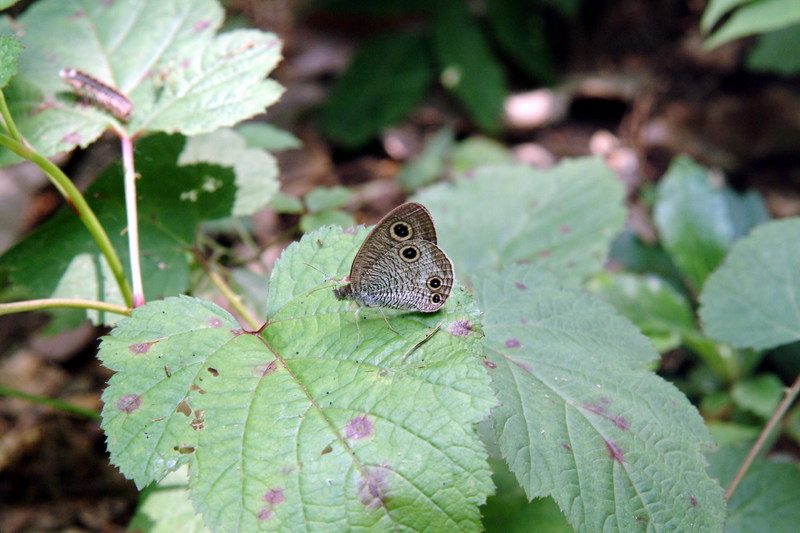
x,y
256,170
616,446
301,428
386,79
312,221
164,55
284,203
268,137
468,68
766,499
431,163
661,312
324,198
693,220
753,300
562,219
520,31
9,52
760,394
776,52
716,9
60,259
477,151
165,507
759,16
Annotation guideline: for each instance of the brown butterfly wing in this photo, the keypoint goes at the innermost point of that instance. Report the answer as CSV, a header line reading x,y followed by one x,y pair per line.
x,y
405,222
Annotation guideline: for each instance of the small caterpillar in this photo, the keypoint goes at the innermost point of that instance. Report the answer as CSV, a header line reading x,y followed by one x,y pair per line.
x,y
98,93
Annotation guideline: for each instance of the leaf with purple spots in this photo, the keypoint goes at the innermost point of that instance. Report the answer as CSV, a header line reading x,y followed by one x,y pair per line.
x,y
581,420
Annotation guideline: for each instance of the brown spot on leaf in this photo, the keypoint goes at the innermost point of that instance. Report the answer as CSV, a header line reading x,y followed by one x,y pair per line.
x,y
199,420
372,488
358,428
521,286
213,371
197,388
513,343
462,328
489,364
274,496
129,403
215,322
139,348
327,449
266,369
614,451
184,408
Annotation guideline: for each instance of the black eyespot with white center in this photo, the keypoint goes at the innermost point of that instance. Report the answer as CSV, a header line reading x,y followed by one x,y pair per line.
x,y
400,231
434,282
436,298
409,254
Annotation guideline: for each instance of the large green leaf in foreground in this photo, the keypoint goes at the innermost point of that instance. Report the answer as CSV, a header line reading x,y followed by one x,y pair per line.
x,y
302,429
753,299
617,447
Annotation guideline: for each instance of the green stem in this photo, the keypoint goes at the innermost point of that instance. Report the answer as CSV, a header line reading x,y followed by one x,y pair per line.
x,y
72,303
50,402
81,207
11,126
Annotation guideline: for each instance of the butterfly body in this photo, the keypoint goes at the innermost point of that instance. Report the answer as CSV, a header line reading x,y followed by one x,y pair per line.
x,y
400,265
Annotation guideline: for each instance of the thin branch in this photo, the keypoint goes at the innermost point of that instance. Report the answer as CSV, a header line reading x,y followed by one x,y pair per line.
x,y
71,303
50,402
788,399
132,214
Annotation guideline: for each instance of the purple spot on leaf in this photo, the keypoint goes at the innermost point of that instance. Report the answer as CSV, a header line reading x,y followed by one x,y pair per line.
x,y
565,229
129,403
274,496
614,452
358,428
489,364
200,25
373,489
237,332
139,347
266,369
214,322
71,138
521,286
462,328
265,514
567,447
570,264
620,422
545,253
692,500
184,64
523,321
513,343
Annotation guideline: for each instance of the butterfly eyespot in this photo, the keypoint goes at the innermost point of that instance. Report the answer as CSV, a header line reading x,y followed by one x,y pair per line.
x,y
436,299
434,282
409,254
400,231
